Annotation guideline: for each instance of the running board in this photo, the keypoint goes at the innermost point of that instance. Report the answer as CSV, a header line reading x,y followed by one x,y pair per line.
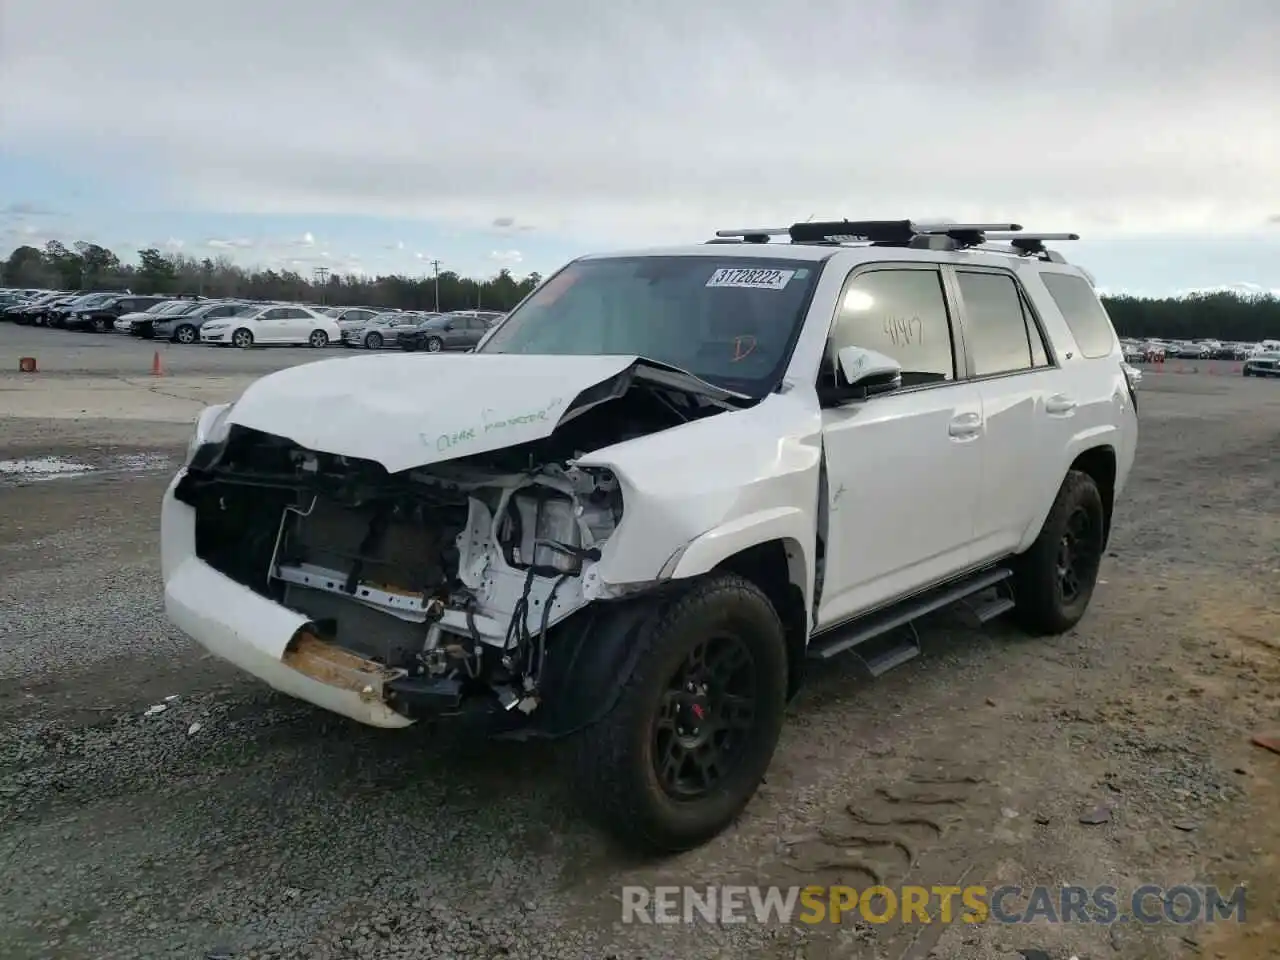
x,y
901,615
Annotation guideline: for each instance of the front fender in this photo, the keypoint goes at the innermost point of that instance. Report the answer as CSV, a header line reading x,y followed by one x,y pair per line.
x,y
793,526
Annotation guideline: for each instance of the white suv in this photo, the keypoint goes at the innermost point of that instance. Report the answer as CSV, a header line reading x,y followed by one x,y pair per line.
x,y
661,485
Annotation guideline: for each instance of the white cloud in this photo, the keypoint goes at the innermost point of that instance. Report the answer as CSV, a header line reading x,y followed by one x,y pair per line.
x,y
173,244
506,256
219,244
1242,289
669,120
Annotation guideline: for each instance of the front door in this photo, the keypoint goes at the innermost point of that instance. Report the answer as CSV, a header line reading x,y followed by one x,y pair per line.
x,y
903,469
272,326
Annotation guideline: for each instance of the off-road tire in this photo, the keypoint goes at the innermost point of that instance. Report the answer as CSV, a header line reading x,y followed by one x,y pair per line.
x,y
613,758
1040,607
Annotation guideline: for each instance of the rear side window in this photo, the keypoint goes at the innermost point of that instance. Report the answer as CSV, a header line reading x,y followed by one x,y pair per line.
x,y
995,330
1000,330
1083,312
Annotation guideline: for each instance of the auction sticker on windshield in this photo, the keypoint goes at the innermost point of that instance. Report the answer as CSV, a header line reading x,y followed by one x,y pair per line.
x,y
751,278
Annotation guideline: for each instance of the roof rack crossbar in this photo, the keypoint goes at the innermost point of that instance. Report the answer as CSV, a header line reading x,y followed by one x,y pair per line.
x,y
1032,244
948,228
755,232
905,233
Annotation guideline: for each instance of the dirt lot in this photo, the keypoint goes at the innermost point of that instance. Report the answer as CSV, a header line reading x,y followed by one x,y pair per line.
x,y
237,823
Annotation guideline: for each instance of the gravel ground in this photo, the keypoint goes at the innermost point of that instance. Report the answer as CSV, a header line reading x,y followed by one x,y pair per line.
x,y
238,823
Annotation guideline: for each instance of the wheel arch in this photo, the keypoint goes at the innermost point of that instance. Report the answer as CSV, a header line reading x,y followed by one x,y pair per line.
x,y
1099,460
1100,463
778,567
774,549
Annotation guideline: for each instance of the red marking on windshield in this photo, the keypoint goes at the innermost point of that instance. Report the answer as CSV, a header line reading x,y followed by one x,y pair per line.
x,y
743,347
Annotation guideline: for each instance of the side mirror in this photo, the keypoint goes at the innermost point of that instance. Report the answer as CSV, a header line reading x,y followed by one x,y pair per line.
x,y
863,373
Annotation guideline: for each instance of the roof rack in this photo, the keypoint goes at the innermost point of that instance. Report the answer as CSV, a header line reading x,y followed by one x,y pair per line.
x,y
907,233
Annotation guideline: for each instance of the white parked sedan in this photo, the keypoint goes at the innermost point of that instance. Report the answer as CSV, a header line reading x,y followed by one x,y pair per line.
x,y
272,324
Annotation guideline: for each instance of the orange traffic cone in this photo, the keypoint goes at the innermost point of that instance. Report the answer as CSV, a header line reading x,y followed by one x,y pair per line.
x,y
156,369
26,364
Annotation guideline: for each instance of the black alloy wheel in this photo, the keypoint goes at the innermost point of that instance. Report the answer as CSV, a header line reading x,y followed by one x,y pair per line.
x,y
705,718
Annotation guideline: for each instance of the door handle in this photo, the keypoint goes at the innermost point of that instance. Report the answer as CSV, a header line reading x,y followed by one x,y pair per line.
x,y
1059,405
965,426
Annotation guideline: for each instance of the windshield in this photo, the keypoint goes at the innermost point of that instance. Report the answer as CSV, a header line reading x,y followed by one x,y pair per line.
x,y
730,320
182,307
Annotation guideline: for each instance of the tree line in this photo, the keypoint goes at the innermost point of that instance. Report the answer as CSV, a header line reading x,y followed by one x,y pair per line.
x,y
87,266
90,267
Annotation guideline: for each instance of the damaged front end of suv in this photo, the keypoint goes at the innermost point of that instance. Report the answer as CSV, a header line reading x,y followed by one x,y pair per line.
x,y
387,595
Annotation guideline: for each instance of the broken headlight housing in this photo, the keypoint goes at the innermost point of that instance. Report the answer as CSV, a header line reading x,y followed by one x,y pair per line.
x,y
211,427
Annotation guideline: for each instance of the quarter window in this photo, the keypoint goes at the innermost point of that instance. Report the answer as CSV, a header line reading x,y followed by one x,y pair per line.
x,y
1083,312
903,314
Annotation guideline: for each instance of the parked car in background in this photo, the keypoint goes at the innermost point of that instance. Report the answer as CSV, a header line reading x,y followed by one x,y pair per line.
x,y
1154,351
21,312
102,316
355,318
350,315
143,325
1262,365
269,325
183,326
56,316
124,323
449,331
384,329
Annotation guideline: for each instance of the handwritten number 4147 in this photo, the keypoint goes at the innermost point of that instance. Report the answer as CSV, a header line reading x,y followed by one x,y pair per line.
x,y
904,331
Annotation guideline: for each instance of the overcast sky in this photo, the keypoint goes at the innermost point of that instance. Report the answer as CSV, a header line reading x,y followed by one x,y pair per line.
x,y
381,135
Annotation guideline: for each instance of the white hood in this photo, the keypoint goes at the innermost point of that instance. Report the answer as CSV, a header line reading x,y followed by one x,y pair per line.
x,y
413,410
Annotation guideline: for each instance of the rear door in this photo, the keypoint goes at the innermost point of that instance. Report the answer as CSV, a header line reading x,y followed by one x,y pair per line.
x,y
1023,404
457,332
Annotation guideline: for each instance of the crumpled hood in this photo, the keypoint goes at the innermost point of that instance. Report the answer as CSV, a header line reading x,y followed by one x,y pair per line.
x,y
413,410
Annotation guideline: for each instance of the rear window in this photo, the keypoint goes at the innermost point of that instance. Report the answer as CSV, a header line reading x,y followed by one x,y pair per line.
x,y
730,320
1083,312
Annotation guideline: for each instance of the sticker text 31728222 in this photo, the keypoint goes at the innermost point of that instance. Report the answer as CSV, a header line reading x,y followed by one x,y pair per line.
x,y
759,279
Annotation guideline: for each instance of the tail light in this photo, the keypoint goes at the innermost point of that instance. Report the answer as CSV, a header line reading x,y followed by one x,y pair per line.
x,y
1132,377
